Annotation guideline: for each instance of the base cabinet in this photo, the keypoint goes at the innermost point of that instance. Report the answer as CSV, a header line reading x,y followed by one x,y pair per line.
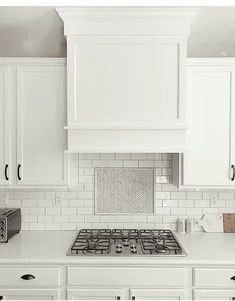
x,y
29,294
200,294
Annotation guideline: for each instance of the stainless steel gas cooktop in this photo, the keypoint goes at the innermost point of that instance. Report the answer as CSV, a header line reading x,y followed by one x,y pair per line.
x,y
125,242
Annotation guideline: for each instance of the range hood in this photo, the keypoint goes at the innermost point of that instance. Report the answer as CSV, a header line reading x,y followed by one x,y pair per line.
x,y
126,78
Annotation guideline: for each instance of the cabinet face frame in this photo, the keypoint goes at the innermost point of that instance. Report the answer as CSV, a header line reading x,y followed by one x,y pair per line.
x,y
6,123
20,70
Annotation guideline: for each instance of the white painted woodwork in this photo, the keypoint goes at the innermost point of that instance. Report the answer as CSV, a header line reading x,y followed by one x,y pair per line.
x,y
5,134
41,115
95,294
208,277
43,276
126,276
157,294
126,71
210,138
125,141
33,99
200,294
29,294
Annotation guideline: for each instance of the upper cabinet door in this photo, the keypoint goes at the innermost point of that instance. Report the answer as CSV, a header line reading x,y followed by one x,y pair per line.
x,y
209,140
41,117
5,162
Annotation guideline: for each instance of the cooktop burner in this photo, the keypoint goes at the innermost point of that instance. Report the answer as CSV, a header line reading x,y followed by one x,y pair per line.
x,y
126,242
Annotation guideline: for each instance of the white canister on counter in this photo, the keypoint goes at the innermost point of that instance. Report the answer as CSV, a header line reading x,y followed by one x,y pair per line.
x,y
189,225
180,227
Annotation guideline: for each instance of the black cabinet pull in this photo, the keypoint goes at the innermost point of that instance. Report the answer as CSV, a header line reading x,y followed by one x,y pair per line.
x,y
233,175
133,298
233,278
6,172
233,298
27,277
118,298
18,172
1,297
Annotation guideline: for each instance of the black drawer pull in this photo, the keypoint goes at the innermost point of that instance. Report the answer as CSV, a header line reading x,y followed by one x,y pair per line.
x,y
233,298
18,172
118,298
6,172
1,297
27,277
233,278
133,298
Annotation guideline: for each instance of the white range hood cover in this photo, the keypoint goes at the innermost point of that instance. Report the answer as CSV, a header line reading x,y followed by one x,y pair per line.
x,y
126,78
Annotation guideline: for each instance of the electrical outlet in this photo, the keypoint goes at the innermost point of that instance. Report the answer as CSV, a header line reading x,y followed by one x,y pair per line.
x,y
58,199
3,199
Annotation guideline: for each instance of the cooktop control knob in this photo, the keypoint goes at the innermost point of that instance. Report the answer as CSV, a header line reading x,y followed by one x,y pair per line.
x,y
119,248
133,250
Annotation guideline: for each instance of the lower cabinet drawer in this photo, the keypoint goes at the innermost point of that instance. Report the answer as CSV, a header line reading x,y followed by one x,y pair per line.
x,y
31,276
167,277
209,277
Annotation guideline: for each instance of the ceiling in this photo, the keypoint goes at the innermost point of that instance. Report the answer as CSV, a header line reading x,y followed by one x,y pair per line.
x,y
38,31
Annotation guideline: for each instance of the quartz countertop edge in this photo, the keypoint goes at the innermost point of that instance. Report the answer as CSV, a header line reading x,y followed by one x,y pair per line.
x,y
50,247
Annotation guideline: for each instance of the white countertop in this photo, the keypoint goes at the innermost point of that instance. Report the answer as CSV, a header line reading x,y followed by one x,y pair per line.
x,y
49,247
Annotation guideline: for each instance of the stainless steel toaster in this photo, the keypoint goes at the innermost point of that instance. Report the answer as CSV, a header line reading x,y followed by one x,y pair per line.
x,y
10,223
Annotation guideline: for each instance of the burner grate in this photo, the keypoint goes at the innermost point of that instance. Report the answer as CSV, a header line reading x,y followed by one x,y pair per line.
x,y
159,241
92,241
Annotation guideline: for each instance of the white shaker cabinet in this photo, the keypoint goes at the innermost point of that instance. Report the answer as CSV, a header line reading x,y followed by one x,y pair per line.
x,y
211,114
5,147
41,116
36,91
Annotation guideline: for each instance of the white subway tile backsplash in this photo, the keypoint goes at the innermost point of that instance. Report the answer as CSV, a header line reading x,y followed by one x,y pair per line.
x,y
130,163
226,195
39,211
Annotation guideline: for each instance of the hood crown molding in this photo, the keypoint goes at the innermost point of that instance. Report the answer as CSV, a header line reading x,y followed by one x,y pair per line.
x,y
126,13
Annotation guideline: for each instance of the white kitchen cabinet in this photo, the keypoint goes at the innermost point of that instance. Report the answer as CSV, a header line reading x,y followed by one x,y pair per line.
x,y
216,294
41,116
211,115
37,117
95,294
29,294
157,294
5,146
